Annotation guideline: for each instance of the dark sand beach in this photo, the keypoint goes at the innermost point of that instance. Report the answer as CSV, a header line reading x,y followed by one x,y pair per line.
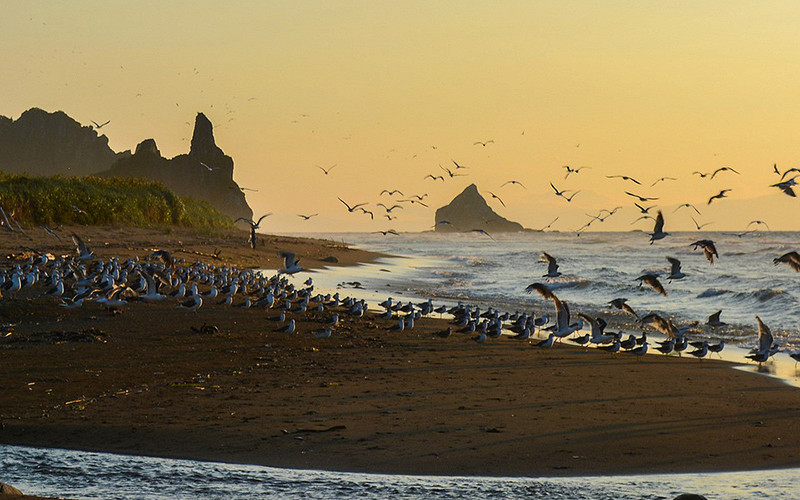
x,y
151,381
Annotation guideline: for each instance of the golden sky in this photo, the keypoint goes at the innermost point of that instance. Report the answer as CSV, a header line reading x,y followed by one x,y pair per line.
x,y
389,90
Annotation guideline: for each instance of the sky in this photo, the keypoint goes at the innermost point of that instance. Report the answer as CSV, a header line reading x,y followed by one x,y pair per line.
x,y
387,91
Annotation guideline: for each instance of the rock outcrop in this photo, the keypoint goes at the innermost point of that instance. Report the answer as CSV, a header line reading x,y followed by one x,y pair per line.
x,y
43,143
469,211
205,173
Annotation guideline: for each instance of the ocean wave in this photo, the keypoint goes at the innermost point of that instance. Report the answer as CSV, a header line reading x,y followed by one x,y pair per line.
x,y
713,292
764,294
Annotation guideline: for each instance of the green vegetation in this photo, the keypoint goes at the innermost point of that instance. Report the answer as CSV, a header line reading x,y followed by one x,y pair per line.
x,y
102,201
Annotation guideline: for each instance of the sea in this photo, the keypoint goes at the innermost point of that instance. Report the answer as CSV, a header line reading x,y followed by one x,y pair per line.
x,y
494,272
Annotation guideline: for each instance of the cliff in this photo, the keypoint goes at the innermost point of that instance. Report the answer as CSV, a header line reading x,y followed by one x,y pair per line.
x,y
43,143
205,173
469,211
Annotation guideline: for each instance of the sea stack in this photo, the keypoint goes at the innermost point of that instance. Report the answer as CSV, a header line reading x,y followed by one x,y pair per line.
x,y
205,173
469,211
44,143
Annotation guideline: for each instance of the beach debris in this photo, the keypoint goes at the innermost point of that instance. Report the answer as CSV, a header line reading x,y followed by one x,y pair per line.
x,y
205,329
56,337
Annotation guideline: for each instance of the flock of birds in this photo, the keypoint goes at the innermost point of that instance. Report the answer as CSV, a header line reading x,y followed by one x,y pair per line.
x,y
114,283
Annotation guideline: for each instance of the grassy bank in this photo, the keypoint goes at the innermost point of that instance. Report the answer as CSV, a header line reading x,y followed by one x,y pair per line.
x,y
102,201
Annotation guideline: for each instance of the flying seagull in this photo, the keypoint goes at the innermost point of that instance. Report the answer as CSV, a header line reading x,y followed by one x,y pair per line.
x,y
722,194
481,231
790,258
675,272
497,198
709,249
621,303
98,126
662,179
698,225
513,182
652,281
643,199
624,178
552,265
687,205
658,230
483,143
290,263
571,170
723,169
306,217
353,208
786,186
326,172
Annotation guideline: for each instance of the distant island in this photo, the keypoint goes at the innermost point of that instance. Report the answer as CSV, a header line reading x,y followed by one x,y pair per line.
x,y
469,211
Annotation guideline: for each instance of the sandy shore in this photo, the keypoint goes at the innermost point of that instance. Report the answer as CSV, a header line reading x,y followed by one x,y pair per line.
x,y
368,399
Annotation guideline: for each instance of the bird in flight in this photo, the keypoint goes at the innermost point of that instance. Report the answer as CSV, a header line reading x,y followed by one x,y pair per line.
x,y
698,225
702,175
457,165
306,217
513,182
497,198
724,169
571,170
328,170
255,225
722,194
624,178
652,281
687,205
758,223
353,208
481,231
662,180
390,231
709,249
434,177
658,230
98,126
389,209
392,192
790,258
786,186
483,143
450,173
548,226
642,209
641,198
561,193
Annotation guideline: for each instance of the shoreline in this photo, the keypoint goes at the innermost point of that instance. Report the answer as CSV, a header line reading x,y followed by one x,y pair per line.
x,y
365,400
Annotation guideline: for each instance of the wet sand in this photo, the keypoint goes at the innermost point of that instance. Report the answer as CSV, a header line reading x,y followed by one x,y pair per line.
x,y
372,400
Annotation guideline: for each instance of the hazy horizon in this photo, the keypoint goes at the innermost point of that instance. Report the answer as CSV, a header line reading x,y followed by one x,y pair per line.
x,y
388,91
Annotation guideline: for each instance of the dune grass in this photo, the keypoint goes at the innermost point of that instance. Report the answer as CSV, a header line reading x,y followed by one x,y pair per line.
x,y
102,201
